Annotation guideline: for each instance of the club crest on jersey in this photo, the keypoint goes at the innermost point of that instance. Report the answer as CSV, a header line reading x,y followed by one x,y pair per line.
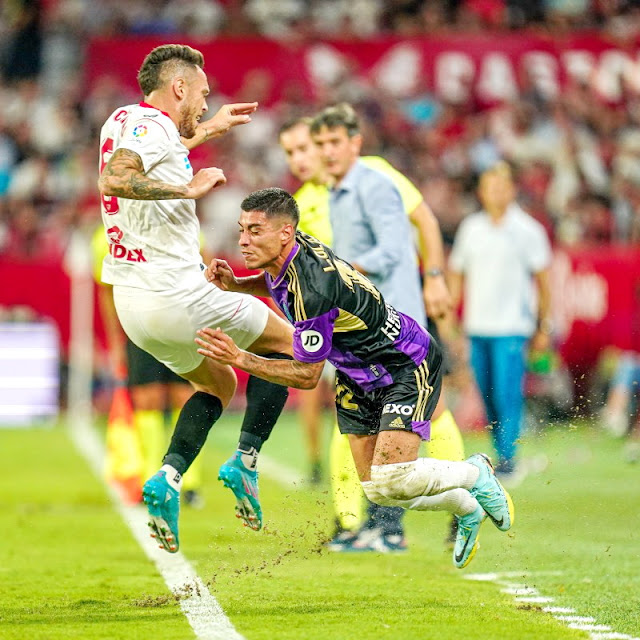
x,y
140,131
312,341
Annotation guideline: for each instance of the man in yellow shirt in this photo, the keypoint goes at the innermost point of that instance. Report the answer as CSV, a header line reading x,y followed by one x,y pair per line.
x,y
312,198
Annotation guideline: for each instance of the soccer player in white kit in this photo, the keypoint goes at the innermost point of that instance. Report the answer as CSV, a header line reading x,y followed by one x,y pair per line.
x,y
161,295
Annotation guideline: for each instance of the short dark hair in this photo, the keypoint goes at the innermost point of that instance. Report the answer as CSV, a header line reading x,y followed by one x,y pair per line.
x,y
338,115
273,202
163,62
292,123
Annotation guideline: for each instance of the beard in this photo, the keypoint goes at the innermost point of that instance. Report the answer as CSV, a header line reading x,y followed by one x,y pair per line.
x,y
188,122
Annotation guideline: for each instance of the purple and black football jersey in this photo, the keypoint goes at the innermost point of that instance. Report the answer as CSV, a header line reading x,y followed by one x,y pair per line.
x,y
340,316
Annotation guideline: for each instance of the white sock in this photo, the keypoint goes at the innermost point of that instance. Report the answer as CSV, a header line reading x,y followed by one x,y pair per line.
x,y
457,501
173,476
422,477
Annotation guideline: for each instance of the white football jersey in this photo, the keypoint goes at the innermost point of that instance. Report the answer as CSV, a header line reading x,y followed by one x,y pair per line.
x,y
151,242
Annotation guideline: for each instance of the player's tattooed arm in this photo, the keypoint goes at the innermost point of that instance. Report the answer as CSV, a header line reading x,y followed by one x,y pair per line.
x,y
217,345
124,177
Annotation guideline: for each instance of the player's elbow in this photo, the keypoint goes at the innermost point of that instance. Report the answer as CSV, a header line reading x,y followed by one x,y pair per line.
x,y
310,378
309,383
106,186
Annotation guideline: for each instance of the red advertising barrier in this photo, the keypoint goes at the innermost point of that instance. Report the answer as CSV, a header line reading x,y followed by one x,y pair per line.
x,y
596,299
43,288
458,68
596,302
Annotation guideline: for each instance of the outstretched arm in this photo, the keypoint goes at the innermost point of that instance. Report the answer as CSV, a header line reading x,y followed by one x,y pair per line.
x,y
217,345
124,177
227,117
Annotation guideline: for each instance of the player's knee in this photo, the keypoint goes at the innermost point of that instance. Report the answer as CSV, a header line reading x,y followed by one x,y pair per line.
x,y
224,387
395,481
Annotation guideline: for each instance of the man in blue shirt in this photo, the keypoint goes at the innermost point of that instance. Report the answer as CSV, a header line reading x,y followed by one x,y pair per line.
x,y
371,229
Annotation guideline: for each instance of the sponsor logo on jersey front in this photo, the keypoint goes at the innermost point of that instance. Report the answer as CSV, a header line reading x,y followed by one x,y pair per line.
x,y
392,324
119,251
312,341
114,234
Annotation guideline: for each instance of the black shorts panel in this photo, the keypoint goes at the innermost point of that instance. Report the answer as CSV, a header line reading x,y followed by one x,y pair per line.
x,y
406,405
145,369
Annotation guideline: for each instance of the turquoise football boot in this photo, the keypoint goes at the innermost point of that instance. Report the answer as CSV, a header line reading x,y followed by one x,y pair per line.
x,y
467,542
244,484
163,504
491,495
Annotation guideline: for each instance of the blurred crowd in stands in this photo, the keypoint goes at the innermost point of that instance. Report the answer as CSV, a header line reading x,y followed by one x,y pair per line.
x,y
577,156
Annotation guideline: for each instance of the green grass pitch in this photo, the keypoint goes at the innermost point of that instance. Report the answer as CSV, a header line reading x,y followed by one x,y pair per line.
x,y
69,567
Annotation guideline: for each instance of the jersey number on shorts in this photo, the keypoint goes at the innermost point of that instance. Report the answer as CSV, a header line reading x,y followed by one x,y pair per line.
x,y
344,396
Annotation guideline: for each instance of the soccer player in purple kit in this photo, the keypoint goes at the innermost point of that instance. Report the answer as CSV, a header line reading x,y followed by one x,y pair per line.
x,y
388,379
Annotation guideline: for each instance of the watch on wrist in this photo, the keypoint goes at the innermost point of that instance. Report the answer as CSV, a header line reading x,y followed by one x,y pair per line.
x,y
545,326
434,272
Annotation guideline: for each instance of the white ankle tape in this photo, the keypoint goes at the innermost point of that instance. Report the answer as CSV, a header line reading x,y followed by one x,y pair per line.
x,y
421,477
397,481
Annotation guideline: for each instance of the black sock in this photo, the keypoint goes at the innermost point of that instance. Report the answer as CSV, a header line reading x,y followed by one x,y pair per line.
x,y
265,401
194,422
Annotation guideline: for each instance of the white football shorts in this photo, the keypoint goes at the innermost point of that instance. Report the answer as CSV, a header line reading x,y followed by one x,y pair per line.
x,y
164,323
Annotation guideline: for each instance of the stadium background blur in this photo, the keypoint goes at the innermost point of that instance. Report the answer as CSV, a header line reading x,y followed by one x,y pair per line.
x,y
444,89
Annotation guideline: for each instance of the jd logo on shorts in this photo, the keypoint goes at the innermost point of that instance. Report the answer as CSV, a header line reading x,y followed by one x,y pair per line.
x,y
402,409
311,340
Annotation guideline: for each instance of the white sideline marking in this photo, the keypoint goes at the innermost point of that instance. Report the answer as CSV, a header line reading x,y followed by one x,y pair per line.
x,y
520,590
587,619
536,599
204,613
496,577
567,615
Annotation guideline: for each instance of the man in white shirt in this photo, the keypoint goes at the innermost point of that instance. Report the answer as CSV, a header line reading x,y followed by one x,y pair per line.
x,y
500,255
161,295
